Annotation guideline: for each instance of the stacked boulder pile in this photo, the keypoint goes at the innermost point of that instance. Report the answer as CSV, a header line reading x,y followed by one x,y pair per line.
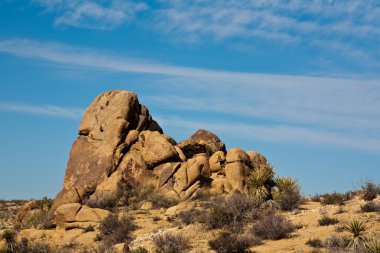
x,y
119,142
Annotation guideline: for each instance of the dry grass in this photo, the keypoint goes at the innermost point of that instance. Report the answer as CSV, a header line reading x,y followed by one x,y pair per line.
x,y
169,243
273,227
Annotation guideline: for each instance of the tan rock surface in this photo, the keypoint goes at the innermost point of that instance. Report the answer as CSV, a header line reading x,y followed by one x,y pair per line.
x,y
103,137
236,174
217,161
256,158
201,141
238,155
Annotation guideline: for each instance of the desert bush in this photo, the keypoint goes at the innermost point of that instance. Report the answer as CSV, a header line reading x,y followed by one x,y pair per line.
x,y
337,242
316,198
169,243
203,194
326,220
11,245
260,181
335,198
372,247
189,217
45,203
89,228
370,191
227,242
273,227
41,219
315,251
288,193
370,206
103,202
38,247
135,195
156,218
132,197
230,212
116,230
139,250
315,243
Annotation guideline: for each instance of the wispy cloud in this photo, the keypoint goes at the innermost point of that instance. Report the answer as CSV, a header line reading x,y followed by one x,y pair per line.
x,y
273,19
46,110
350,28
92,14
343,32
314,109
274,133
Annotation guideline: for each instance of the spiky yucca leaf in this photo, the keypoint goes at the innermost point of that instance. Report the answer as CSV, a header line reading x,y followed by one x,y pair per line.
x,y
287,184
372,247
259,181
260,176
357,229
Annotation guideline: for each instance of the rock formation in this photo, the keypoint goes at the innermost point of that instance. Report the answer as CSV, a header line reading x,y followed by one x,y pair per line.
x,y
120,142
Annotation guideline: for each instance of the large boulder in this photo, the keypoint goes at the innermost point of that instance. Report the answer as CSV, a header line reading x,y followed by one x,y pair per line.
x,y
217,161
100,146
201,141
238,155
256,158
75,215
156,148
236,173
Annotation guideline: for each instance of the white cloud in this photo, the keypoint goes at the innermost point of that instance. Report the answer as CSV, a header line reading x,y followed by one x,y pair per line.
x,y
92,14
273,18
47,110
276,133
315,109
351,26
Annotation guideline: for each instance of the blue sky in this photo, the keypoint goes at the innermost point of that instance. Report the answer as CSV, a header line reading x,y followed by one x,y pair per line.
x,y
295,80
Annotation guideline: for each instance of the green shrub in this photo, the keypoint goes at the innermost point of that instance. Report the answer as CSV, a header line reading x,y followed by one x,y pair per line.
x,y
132,197
89,228
273,227
370,191
41,219
327,221
335,198
370,206
139,250
189,217
230,212
169,243
288,193
316,198
227,242
115,230
337,242
315,243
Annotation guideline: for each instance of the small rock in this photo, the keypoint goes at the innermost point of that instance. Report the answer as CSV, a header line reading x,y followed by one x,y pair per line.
x,y
146,205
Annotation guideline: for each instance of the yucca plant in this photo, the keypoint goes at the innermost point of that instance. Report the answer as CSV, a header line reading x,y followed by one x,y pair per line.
x,y
372,247
287,184
260,181
287,194
10,241
357,229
